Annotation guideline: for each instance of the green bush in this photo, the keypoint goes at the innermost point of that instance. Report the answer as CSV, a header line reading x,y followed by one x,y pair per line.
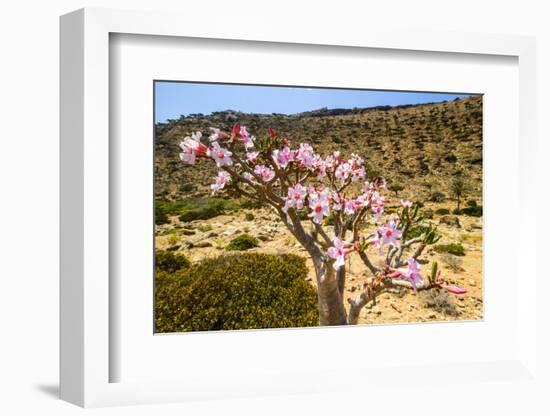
x,y
242,242
170,262
457,211
442,211
476,211
471,203
249,216
453,248
239,291
417,231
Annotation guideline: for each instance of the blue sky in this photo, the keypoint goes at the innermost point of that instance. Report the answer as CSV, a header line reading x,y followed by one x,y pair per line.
x,y
173,99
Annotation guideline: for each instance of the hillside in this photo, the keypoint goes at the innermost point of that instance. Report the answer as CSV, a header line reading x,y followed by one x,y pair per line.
x,y
414,145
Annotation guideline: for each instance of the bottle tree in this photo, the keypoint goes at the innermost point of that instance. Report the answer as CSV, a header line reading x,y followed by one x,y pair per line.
x,y
305,190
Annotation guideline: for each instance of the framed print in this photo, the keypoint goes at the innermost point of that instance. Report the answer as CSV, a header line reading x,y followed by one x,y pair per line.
x,y
236,210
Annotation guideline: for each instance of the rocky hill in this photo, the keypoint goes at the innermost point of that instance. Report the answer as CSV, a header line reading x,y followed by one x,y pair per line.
x,y
422,146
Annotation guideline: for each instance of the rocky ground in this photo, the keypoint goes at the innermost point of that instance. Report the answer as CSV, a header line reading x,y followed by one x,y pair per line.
x,y
208,238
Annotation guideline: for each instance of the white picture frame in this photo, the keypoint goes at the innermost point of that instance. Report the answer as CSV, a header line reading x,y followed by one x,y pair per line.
x,y
86,356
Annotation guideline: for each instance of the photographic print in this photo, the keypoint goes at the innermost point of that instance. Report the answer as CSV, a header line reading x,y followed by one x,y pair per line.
x,y
281,207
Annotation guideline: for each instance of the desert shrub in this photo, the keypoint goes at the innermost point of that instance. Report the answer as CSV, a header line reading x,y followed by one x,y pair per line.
x,y
160,215
457,211
440,301
249,216
170,262
437,196
242,242
452,248
240,291
396,188
453,262
428,213
476,211
471,203
442,211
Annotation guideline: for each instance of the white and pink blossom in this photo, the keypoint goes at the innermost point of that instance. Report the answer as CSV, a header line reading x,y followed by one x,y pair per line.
x,y
221,156
295,197
305,155
252,156
338,252
221,180
264,172
283,156
192,148
343,171
319,205
406,203
389,233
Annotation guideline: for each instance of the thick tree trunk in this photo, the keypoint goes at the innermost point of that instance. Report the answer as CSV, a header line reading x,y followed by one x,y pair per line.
x,y
331,305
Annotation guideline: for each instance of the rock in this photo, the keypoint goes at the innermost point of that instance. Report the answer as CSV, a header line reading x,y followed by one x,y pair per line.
x,y
264,237
450,220
432,316
203,244
174,248
185,231
188,244
212,235
472,282
353,289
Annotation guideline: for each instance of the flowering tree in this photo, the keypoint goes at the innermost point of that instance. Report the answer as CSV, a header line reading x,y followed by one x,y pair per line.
x,y
307,191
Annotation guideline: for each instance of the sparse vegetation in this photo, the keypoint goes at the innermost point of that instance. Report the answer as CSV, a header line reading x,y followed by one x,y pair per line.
x,y
452,262
458,189
396,187
442,211
452,248
437,196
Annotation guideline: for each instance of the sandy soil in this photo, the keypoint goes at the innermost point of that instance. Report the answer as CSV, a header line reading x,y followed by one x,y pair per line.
x,y
201,239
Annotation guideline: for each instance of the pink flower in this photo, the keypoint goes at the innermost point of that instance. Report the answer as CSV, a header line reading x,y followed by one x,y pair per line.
x,y
389,233
343,171
357,174
305,155
192,148
221,156
252,156
266,173
295,198
406,203
222,178
412,274
283,156
217,134
338,252
350,207
319,205
245,138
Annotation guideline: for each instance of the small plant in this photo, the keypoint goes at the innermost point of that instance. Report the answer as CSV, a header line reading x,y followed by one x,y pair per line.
x,y
452,248
203,228
173,239
439,300
249,216
471,203
437,196
396,188
442,211
242,242
453,262
170,262
458,189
